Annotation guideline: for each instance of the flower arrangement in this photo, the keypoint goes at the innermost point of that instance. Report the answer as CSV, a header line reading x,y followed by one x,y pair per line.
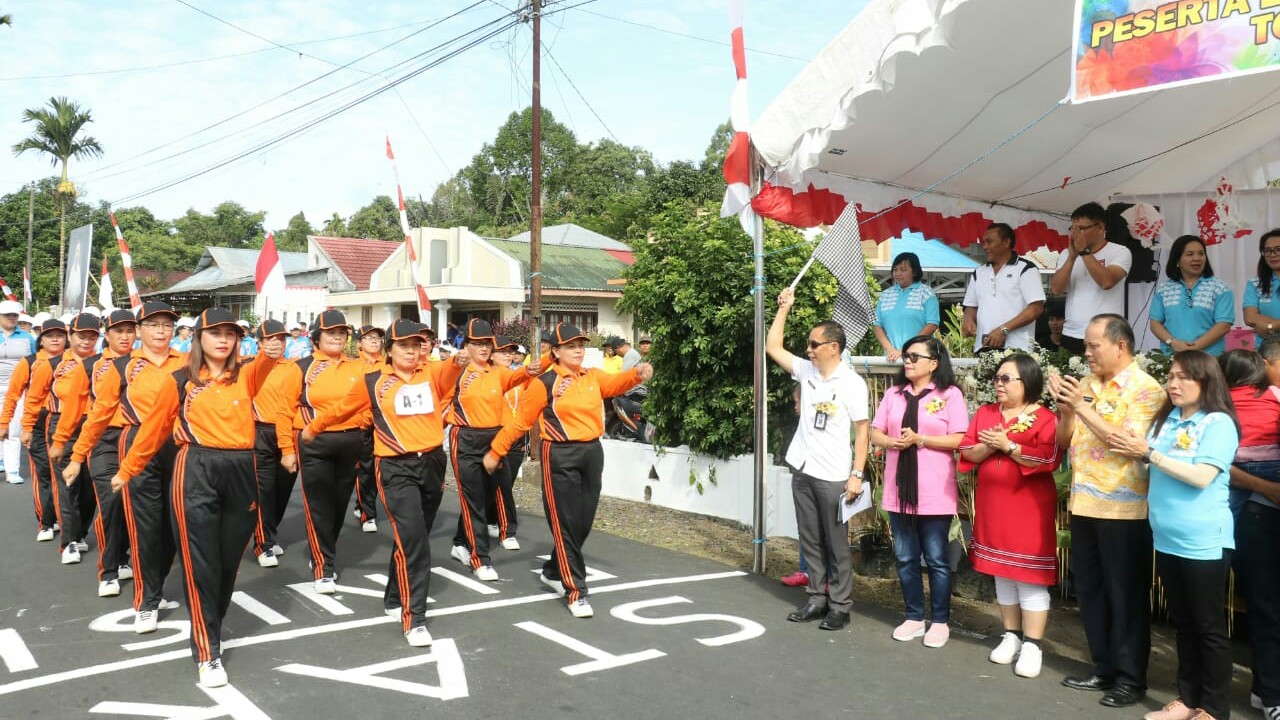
x,y
979,387
826,407
935,406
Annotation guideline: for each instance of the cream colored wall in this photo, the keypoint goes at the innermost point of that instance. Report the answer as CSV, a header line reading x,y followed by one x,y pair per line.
x,y
612,322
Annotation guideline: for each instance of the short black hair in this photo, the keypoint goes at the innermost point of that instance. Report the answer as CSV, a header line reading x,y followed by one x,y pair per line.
x,y
943,376
832,331
1090,211
1244,368
1005,232
1030,372
911,259
1171,270
1055,308
1117,329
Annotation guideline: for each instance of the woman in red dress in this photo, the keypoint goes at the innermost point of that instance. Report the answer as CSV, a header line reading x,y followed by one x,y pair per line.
x,y
1011,443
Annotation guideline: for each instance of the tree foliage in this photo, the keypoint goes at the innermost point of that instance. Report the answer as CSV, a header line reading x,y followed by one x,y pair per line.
x,y
293,238
56,132
379,220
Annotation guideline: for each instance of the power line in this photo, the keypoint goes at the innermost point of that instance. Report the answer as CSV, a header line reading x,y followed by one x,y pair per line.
x,y
580,95
699,38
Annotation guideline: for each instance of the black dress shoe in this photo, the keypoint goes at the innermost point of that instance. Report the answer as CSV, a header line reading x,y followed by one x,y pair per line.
x,y
806,613
1088,682
1122,696
835,620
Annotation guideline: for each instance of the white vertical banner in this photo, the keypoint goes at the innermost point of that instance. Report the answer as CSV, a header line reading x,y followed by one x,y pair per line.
x,y
75,293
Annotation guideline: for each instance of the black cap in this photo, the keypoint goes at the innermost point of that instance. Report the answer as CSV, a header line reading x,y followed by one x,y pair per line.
x,y
366,329
405,329
614,341
330,320
546,337
120,317
565,332
151,308
215,316
429,333
478,329
645,340
52,324
271,328
505,343
86,322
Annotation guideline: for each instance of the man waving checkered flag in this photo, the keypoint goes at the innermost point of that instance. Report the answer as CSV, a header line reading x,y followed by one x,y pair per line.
x,y
841,252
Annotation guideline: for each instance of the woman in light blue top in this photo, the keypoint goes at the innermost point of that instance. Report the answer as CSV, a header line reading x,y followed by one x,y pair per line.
x,y
1193,310
906,309
1261,296
1190,448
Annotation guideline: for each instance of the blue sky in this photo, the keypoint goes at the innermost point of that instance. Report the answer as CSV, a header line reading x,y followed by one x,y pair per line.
x,y
651,86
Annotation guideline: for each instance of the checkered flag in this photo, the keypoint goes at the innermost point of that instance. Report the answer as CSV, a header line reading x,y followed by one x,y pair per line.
x,y
841,252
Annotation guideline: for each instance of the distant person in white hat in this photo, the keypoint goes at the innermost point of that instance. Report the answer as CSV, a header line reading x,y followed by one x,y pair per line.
x,y
249,343
299,343
182,338
15,344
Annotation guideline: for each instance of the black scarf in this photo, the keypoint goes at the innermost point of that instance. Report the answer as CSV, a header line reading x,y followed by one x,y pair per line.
x,y
909,457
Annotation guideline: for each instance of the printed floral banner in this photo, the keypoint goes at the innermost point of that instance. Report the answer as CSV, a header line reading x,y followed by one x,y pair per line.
x,y
1130,46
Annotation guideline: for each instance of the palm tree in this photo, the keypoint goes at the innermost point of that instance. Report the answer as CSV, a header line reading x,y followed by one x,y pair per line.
x,y
57,134
6,20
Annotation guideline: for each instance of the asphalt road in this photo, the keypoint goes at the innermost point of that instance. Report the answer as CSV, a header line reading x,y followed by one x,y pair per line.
x,y
673,636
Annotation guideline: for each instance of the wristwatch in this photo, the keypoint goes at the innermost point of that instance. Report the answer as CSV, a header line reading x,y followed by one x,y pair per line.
x,y
1086,251
856,473
1005,329
1013,448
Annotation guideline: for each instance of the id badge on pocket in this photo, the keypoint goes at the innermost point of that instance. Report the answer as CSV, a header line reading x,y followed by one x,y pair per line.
x,y
820,420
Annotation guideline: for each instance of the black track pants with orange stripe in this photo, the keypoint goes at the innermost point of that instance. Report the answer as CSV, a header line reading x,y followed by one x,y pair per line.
x,y
366,483
146,518
327,468
275,486
109,526
76,502
411,487
571,474
500,505
467,447
41,474
215,509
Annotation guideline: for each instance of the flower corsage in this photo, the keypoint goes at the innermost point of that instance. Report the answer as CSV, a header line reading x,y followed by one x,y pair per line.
x,y
935,406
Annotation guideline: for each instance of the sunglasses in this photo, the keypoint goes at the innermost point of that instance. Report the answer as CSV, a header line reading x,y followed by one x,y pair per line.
x,y
1005,379
916,357
814,344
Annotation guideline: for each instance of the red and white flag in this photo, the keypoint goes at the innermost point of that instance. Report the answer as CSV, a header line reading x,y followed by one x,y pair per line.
x,y
268,276
411,255
26,286
737,162
105,291
126,262
8,293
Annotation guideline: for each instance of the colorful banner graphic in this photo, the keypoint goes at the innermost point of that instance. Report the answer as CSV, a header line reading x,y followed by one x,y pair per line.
x,y
1130,46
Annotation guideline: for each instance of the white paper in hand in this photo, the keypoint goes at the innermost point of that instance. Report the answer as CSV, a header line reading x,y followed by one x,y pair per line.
x,y
849,508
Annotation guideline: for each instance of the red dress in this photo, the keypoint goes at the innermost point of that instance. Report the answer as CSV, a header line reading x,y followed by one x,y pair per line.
x,y
1015,506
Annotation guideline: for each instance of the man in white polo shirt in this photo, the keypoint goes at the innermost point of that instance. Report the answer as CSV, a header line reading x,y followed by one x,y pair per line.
x,y
833,402
1091,272
1005,296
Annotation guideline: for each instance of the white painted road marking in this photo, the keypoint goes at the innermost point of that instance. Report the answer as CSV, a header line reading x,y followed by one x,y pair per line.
x,y
464,581
600,659
228,702
14,652
444,653
748,629
257,609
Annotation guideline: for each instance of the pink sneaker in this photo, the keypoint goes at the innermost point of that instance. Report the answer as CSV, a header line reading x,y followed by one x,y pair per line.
x,y
795,579
937,636
909,630
1176,710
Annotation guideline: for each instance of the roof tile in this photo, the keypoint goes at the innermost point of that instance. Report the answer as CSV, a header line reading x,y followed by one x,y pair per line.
x,y
357,258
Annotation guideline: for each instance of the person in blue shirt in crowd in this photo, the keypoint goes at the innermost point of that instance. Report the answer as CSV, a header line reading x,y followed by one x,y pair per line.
x,y
1190,447
15,344
1192,310
248,344
1261,296
182,338
908,308
299,343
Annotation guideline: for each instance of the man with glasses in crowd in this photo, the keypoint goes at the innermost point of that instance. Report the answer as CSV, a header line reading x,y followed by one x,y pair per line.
x,y
1005,296
1091,273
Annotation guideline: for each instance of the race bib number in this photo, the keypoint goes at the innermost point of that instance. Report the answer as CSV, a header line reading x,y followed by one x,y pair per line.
x,y
414,400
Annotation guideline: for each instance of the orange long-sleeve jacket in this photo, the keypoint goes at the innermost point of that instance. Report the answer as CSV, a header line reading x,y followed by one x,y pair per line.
x,y
406,415
266,402
566,405
70,391
38,389
124,393
19,379
477,394
314,383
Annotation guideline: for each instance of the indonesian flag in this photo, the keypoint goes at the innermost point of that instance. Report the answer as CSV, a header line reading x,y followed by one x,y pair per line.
x,y
268,278
105,291
411,256
737,162
8,293
26,285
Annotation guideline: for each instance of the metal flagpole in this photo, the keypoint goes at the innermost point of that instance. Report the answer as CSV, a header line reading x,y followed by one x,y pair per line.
x,y
761,403
535,204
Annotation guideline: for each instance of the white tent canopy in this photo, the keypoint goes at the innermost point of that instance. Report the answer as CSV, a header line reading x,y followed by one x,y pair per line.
x,y
913,90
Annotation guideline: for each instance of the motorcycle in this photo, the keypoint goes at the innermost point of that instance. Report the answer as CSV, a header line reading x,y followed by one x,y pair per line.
x,y
625,419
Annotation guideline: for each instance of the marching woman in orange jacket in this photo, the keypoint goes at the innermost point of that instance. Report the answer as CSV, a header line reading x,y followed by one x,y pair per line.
x,y
275,483
326,467
566,403
370,348
52,340
405,397
207,407
500,505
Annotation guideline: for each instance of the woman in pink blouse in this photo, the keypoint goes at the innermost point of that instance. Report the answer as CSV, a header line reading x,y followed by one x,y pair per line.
x,y
920,421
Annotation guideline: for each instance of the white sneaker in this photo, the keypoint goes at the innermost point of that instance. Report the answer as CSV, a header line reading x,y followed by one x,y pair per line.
x,y
45,535
15,479
212,674
581,609
169,604
82,546
461,554
276,549
486,573
124,572
326,586
511,543
109,588
418,637
393,612
356,511
1028,661
57,528
553,584
145,621
370,526
268,559
493,531
1006,651
70,554
1255,701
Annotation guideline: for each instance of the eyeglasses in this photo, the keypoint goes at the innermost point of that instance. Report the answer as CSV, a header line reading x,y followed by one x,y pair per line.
x,y
1271,251
1006,379
1082,228
155,325
814,344
916,357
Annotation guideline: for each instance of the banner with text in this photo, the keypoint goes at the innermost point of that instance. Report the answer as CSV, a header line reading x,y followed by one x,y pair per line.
x,y
1130,46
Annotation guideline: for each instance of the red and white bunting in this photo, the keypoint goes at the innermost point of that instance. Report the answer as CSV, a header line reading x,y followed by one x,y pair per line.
x,y
424,302
8,293
106,293
126,262
737,162
26,286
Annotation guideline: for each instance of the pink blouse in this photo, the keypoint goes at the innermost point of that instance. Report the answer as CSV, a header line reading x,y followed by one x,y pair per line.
x,y
941,413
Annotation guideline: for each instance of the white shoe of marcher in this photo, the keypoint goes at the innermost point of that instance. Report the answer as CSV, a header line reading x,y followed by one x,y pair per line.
x,y
124,572
15,480
553,584
82,546
268,560
70,554
145,621
277,549
109,588
418,637
461,554
581,609
169,604
494,531
326,586
392,612
1007,650
370,526
356,511
45,535
486,573
511,543
1028,661
212,674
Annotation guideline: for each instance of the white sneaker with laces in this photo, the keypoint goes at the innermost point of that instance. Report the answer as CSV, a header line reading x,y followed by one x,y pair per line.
x,y
45,535
169,604
145,621
370,526
581,609
418,637
356,511
461,554
82,546
1028,661
277,549
511,543
57,528
494,531
553,584
326,586
1006,651
109,588
268,560
212,674
486,573
124,572
70,554
1272,712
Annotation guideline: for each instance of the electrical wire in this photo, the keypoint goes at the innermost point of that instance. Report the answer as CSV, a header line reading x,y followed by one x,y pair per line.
x,y
693,37
580,95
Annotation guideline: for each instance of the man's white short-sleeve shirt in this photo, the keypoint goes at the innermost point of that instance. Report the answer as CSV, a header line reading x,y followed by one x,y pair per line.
x,y
999,296
1084,298
827,453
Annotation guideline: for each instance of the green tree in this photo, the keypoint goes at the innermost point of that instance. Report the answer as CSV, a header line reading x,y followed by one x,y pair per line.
x,y
153,245
6,19
230,225
57,134
379,220
294,237
701,394
608,187
335,227
718,147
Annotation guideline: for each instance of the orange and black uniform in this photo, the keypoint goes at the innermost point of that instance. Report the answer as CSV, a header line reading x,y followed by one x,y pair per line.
x,y
474,415
409,468
275,483
366,483
103,460
215,492
500,506
41,488
67,400
567,407
327,467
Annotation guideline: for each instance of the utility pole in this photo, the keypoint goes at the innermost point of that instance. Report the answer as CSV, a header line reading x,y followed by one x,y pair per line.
x,y
31,222
535,211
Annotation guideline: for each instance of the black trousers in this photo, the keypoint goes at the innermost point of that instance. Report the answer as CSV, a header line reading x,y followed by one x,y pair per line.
x,y
411,487
500,505
146,518
41,473
571,474
215,498
1258,569
467,448
1196,593
327,468
366,481
113,542
275,486
75,502
1111,564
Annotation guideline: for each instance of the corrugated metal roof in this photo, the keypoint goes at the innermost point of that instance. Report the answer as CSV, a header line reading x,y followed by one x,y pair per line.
x,y
221,267
573,236
566,267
